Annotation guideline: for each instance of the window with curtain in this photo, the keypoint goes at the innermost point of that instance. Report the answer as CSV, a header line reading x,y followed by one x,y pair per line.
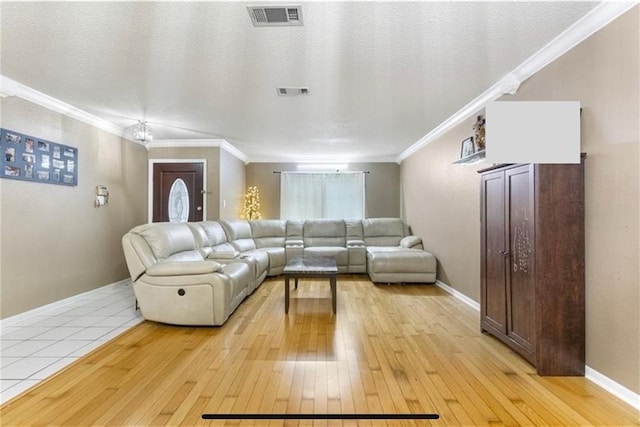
x,y
305,195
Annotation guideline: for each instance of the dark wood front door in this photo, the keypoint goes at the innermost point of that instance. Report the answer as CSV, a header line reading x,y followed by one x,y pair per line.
x,y
178,192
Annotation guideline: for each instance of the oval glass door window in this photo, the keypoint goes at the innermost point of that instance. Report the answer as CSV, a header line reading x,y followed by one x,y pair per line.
x,y
178,202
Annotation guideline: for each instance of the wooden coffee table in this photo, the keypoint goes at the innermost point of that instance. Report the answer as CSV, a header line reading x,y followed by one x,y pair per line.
x,y
310,267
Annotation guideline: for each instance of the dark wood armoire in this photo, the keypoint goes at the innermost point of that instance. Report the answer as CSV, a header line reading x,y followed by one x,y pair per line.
x,y
532,265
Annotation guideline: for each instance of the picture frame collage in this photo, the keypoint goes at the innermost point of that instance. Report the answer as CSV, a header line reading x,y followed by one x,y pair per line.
x,y
28,158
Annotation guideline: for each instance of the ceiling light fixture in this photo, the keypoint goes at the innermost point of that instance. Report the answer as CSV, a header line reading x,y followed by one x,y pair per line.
x,y
142,132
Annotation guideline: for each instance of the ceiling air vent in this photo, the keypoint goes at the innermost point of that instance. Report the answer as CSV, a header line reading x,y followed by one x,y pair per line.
x,y
292,91
272,16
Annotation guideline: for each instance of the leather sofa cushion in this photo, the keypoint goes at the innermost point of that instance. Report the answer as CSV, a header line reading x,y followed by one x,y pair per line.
x,y
269,242
294,229
340,254
236,230
383,231
324,232
239,235
354,230
166,239
372,249
401,261
214,233
223,248
244,245
225,251
193,255
268,233
201,239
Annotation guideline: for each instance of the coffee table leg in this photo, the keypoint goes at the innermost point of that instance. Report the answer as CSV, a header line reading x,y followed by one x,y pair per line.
x,y
286,294
296,279
334,293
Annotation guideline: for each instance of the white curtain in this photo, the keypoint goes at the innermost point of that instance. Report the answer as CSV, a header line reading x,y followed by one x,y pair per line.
x,y
322,195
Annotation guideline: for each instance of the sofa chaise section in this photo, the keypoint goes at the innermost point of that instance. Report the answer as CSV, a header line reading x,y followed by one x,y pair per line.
x,y
395,256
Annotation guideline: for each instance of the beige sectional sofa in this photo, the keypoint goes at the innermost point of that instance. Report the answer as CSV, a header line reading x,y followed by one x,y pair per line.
x,y
198,273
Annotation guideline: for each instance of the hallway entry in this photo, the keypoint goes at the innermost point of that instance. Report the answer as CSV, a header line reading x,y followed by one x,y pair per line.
x,y
178,192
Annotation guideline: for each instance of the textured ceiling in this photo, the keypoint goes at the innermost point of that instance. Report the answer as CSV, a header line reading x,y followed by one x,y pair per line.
x,y
380,74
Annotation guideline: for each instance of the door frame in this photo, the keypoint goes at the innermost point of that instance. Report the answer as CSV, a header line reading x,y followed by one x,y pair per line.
x,y
150,184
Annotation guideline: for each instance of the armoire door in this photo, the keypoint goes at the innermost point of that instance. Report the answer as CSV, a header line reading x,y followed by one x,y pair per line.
x,y
494,245
519,184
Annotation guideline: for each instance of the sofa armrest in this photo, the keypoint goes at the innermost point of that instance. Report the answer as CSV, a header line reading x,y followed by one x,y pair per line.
x,y
223,255
411,242
293,243
184,268
355,243
293,248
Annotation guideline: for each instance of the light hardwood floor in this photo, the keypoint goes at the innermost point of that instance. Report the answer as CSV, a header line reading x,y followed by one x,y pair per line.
x,y
389,350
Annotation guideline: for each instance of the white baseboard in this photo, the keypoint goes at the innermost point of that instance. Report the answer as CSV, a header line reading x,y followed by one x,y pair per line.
x,y
462,297
46,309
618,390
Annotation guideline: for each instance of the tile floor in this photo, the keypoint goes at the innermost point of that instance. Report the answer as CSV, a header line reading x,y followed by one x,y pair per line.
x,y
35,347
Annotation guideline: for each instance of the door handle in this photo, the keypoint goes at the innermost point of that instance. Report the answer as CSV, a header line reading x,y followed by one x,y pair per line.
x,y
199,208
504,253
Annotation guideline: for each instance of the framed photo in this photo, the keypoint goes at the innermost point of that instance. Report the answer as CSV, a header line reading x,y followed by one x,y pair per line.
x,y
29,158
43,146
13,138
11,171
467,148
10,154
28,145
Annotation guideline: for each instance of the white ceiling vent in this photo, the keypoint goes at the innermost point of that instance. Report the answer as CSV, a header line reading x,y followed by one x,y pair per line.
x,y
273,16
292,91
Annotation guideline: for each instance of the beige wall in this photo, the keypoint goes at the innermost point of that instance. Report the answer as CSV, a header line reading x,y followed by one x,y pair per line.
x,y
382,187
441,203
55,243
212,156
442,200
232,188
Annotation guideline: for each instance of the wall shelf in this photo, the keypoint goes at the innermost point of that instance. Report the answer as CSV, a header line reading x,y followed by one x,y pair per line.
x,y
476,157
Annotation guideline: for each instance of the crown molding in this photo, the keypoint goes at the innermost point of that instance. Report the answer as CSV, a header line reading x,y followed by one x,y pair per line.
x,y
184,143
341,160
594,20
234,152
198,143
10,88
